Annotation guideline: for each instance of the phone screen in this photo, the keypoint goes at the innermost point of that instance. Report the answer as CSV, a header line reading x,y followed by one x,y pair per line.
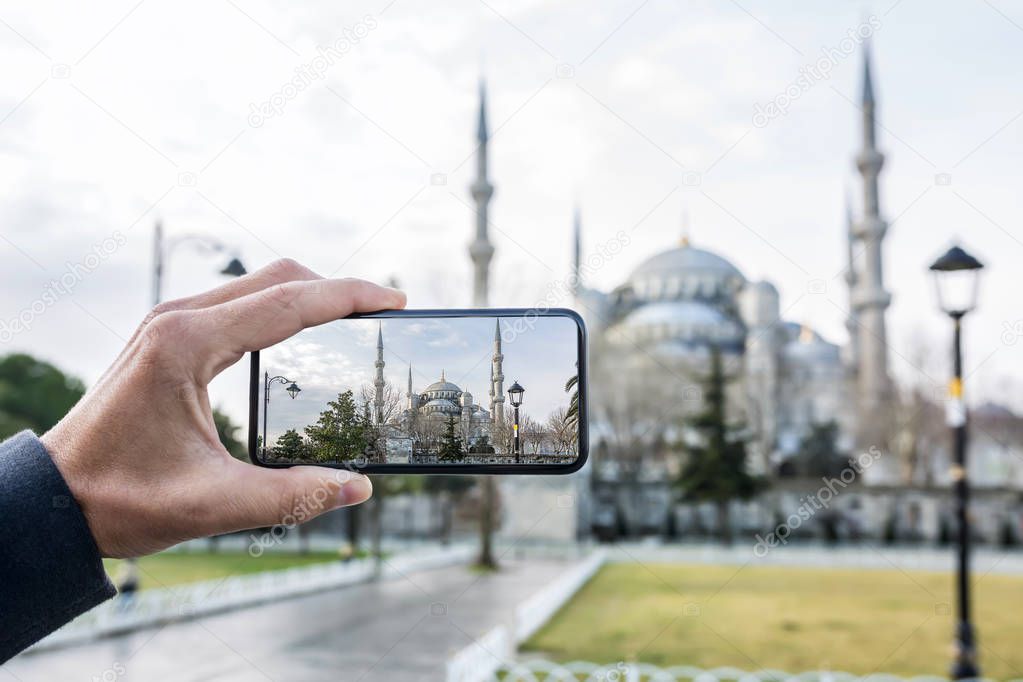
x,y
407,390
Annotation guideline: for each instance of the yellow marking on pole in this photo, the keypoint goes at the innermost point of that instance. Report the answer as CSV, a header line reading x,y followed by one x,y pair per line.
x,y
955,388
957,473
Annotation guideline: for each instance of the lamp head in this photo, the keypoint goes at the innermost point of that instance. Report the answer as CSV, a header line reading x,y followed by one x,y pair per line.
x,y
956,278
515,394
234,268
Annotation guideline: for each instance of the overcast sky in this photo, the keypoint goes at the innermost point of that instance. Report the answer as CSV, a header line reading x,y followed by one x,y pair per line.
x,y
327,360
115,114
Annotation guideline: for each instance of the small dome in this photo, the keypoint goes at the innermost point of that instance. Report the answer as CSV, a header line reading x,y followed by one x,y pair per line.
x,y
810,348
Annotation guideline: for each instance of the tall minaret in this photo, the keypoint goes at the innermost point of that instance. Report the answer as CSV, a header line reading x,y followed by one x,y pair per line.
x,y
412,398
481,250
497,372
852,359
871,299
577,255
378,400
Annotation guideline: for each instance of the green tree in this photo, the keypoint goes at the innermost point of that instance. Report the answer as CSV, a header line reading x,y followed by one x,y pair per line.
x,y
818,452
34,394
226,431
448,490
451,449
290,445
714,469
572,414
340,433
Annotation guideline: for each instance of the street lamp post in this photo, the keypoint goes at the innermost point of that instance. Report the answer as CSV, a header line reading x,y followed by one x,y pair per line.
x,y
293,390
515,394
162,249
161,254
956,276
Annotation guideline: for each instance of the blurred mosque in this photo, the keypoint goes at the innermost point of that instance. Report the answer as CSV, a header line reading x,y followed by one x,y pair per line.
x,y
650,341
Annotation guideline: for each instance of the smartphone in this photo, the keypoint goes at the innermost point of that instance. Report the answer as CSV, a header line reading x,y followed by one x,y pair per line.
x,y
484,391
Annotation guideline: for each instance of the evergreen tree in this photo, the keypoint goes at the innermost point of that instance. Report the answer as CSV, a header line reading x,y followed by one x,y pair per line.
x,y
290,445
340,433
451,449
227,432
447,490
818,452
714,469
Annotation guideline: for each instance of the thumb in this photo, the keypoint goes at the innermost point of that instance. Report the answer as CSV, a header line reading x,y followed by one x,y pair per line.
x,y
268,497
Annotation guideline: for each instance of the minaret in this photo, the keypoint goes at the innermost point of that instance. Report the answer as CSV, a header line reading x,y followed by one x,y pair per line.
x,y
498,376
852,359
577,255
378,400
481,250
491,391
412,398
870,299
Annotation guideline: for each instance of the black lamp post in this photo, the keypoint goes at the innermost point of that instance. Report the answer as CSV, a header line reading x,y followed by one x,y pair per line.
x,y
163,248
515,394
293,390
956,276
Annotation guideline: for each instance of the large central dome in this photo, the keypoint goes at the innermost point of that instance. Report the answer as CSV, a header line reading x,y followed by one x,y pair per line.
x,y
686,272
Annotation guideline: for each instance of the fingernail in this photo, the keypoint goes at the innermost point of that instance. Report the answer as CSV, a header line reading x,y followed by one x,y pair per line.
x,y
399,294
355,490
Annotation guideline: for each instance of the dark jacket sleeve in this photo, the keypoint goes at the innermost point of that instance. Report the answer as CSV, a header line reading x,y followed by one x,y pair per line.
x,y
50,568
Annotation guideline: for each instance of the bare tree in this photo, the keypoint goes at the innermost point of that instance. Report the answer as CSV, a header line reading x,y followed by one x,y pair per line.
x,y
532,434
394,402
920,430
562,431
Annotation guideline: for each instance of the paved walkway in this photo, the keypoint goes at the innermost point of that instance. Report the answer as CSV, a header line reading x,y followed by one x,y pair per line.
x,y
397,630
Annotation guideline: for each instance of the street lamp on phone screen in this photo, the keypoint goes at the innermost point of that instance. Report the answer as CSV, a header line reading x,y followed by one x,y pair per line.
x,y
515,395
292,389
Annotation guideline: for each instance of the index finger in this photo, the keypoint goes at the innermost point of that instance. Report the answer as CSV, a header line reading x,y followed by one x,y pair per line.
x,y
228,330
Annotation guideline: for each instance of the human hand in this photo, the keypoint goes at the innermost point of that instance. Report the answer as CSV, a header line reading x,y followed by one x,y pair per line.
x,y
140,452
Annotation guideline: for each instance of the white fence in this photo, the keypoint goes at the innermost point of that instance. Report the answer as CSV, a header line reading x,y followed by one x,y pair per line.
x,y
493,651
164,605
582,671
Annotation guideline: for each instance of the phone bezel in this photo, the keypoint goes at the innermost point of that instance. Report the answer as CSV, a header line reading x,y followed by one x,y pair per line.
x,y
494,469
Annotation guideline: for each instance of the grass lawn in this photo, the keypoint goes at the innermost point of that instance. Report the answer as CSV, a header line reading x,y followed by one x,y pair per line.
x,y
174,568
793,619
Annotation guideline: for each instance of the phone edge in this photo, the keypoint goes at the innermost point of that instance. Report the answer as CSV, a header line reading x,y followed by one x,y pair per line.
x,y
451,469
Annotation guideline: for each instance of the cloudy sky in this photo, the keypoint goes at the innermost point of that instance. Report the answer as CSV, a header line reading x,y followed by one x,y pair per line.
x,y
327,360
115,114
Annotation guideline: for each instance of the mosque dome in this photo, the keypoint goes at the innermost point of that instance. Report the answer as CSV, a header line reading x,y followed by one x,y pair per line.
x,y
440,386
686,272
691,322
442,389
